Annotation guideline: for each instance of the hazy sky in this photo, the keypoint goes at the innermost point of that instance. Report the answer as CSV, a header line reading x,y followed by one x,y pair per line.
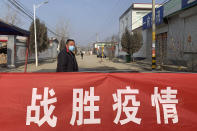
x,y
86,17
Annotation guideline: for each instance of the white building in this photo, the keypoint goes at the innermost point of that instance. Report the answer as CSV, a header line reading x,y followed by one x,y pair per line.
x,y
132,17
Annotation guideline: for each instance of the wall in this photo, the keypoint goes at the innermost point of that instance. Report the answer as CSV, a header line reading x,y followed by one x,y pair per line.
x,y
50,53
190,33
11,51
124,22
176,38
137,18
148,43
180,29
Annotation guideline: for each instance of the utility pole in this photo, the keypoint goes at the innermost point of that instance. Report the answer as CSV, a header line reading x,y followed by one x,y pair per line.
x,y
35,31
102,55
97,37
36,48
153,36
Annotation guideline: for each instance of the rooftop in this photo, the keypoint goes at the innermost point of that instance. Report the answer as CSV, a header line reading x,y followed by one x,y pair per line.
x,y
9,29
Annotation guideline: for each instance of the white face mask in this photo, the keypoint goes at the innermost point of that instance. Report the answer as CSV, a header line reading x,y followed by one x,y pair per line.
x,y
71,48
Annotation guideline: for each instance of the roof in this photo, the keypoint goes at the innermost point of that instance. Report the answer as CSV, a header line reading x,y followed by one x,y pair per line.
x,y
8,29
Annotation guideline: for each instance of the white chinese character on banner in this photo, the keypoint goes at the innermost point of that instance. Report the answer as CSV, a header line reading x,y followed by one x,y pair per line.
x,y
46,104
168,100
78,107
129,95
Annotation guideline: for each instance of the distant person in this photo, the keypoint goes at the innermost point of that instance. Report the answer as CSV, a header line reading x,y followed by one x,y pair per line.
x,y
66,58
81,55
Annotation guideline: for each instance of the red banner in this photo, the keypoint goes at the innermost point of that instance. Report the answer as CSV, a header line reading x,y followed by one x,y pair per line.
x,y
98,101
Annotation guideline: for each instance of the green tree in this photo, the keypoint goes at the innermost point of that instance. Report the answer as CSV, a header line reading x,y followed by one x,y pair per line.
x,y
62,44
131,42
42,36
136,41
126,42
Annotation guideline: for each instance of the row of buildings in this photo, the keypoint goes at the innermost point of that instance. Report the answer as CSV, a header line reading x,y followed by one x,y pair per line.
x,y
176,31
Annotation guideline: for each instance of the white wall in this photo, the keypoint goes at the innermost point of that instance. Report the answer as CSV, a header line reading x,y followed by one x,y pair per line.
x,y
137,18
124,22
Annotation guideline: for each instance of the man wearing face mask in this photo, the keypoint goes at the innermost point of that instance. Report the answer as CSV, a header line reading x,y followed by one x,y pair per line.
x,y
66,58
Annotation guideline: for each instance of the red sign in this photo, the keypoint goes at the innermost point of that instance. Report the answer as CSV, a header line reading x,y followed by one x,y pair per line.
x,y
98,101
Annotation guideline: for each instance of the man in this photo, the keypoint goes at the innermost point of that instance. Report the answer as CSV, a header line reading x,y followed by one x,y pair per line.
x,y
66,58
81,55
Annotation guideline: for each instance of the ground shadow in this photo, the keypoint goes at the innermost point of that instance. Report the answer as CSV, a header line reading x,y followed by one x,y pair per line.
x,y
102,69
46,70
105,69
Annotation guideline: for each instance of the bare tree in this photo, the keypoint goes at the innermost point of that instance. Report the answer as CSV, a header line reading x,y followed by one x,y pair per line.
x,y
12,16
62,29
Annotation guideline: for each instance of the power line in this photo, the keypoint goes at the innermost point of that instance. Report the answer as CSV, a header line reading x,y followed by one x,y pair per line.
x,y
27,10
28,13
22,6
21,14
19,8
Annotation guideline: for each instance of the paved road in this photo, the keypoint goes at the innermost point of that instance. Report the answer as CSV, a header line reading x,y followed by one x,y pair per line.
x,y
92,63
88,64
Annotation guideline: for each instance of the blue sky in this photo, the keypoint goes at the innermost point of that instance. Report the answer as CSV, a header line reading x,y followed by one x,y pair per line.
x,y
86,17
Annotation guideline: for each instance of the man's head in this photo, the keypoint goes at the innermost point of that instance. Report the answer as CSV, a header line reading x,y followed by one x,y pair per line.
x,y
70,44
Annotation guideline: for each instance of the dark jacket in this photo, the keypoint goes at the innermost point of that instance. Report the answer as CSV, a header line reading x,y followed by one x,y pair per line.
x,y
67,61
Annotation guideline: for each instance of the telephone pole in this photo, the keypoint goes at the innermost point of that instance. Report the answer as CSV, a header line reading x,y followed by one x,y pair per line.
x,y
153,36
36,48
35,31
97,37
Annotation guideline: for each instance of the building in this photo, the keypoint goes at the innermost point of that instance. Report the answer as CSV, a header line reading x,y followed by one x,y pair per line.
x,y
99,46
132,17
132,20
176,31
